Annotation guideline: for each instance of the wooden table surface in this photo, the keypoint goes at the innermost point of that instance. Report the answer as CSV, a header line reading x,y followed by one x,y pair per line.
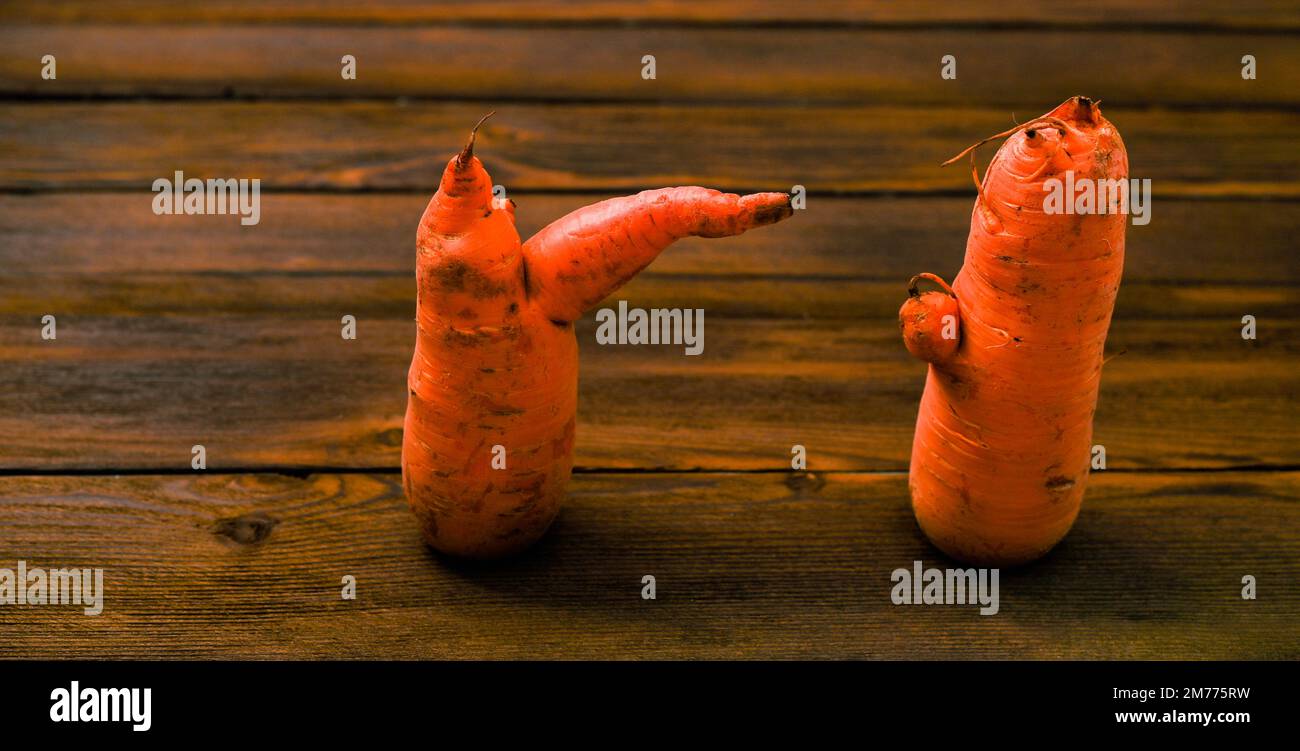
x,y
175,331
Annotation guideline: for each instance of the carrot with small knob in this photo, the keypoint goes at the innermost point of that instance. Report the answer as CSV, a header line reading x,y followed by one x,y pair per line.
x,y
1003,437
929,320
487,447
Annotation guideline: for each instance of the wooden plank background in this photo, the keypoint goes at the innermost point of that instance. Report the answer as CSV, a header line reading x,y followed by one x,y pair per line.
x,y
175,331
1257,15
247,567
369,146
603,64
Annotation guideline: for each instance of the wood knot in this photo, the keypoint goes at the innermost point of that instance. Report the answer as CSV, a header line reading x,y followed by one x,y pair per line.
x,y
800,482
248,529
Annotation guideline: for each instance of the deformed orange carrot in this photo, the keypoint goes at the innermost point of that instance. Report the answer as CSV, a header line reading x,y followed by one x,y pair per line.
x,y
1004,433
493,386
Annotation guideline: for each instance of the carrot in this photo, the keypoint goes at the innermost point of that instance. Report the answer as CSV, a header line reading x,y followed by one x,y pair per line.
x,y
494,378
1004,432
926,318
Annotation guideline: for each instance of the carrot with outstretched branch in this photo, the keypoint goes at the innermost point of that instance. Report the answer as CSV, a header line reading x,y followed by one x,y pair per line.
x,y
1004,433
493,385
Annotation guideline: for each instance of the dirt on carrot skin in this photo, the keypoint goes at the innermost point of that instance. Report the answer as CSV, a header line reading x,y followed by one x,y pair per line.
x,y
1007,417
508,380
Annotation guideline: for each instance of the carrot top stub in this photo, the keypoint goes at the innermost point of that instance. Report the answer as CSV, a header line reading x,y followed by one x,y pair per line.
x,y
1074,140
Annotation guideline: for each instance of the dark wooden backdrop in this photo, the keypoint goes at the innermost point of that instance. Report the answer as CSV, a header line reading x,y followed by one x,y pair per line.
x,y
174,331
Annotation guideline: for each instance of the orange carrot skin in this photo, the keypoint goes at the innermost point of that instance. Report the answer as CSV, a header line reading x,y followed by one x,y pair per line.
x,y
487,371
1003,439
571,266
925,318
496,358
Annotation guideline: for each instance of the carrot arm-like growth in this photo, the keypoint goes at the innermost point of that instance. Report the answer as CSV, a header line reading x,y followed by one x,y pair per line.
x,y
487,444
582,258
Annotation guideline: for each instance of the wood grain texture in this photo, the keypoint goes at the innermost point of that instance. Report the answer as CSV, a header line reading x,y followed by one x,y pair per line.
x,y
885,239
1256,14
709,65
182,330
231,340
375,145
254,369
746,566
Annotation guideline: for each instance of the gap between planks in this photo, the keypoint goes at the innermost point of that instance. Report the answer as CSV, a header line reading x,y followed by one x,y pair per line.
x,y
1187,192
1273,27
307,471
1206,106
